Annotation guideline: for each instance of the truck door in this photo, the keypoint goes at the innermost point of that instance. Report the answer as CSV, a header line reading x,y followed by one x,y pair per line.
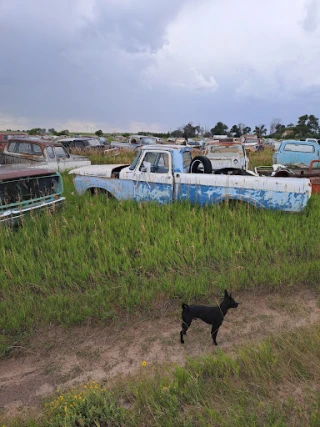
x,y
153,180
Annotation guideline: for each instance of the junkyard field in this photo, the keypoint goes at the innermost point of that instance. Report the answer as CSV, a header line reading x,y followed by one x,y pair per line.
x,y
98,259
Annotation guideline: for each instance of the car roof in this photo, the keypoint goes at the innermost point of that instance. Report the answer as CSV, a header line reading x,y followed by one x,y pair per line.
x,y
78,138
42,142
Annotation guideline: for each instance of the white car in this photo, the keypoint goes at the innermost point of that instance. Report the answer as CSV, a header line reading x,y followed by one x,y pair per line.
x,y
253,144
227,155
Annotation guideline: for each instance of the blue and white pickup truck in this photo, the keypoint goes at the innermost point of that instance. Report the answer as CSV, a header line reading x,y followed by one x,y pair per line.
x,y
168,173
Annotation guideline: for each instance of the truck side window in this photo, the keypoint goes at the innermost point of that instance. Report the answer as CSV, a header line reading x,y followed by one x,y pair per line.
x,y
159,162
148,158
12,146
163,163
61,153
50,152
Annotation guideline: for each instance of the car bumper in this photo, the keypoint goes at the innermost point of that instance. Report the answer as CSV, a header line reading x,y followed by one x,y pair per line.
x,y
13,216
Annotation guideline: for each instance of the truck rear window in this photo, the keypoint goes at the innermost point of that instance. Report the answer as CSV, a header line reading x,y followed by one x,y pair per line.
x,y
186,159
302,148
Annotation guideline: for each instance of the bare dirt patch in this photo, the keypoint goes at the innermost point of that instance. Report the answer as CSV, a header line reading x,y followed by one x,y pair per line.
x,y
59,358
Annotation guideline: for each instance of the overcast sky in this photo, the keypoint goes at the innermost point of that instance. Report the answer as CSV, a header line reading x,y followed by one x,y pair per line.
x,y
155,65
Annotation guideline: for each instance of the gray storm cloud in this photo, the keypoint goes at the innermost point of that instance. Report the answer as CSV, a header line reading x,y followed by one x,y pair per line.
x,y
312,17
132,64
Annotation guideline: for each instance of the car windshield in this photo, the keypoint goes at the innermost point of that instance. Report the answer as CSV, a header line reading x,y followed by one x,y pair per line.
x,y
147,141
134,163
92,143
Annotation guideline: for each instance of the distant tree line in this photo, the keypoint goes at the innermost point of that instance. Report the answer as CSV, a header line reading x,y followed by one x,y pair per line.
x,y
307,126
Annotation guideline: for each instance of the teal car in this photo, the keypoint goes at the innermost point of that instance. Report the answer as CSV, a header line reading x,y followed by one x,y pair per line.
x,y
27,190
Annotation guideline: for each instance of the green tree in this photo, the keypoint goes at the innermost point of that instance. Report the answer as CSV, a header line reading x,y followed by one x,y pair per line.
x,y
99,133
307,125
280,129
34,131
236,131
302,127
313,124
189,131
177,133
260,130
273,125
63,132
219,129
246,130
240,129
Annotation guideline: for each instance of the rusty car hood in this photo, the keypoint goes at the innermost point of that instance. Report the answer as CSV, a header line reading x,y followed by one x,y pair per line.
x,y
11,172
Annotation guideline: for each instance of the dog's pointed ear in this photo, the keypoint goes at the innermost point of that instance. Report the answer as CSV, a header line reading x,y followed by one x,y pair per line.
x,y
226,293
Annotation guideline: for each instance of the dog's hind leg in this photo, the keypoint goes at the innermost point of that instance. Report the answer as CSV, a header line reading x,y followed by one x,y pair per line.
x,y
214,333
185,326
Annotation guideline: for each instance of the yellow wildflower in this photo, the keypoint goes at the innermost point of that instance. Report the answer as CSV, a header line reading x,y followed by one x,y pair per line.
x,y
144,363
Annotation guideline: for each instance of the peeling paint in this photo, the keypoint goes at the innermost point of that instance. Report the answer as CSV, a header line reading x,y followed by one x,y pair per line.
x,y
286,194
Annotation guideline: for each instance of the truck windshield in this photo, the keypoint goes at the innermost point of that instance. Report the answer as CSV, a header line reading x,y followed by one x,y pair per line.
x,y
134,163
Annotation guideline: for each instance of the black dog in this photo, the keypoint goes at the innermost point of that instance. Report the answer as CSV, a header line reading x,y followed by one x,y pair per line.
x,y
212,315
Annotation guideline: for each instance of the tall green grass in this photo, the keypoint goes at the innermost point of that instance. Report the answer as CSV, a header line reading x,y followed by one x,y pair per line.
x,y
274,383
97,257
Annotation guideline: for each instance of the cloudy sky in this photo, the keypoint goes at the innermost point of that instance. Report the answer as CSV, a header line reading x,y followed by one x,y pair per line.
x,y
155,65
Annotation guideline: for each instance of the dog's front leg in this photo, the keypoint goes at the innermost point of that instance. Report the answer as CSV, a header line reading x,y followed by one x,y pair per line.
x,y
214,333
185,326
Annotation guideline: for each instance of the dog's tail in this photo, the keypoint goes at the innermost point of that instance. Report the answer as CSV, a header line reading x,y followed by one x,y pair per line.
x,y
185,307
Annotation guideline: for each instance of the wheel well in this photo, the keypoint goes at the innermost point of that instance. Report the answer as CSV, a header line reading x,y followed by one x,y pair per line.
x,y
233,202
96,191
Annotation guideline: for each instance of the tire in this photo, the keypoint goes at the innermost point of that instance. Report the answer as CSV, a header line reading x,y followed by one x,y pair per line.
x,y
231,171
282,174
200,164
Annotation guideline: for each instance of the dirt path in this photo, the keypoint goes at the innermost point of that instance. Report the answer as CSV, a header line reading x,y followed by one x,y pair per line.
x,y
62,358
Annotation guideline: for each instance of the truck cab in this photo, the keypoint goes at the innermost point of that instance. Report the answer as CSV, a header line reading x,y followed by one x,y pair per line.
x,y
297,153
